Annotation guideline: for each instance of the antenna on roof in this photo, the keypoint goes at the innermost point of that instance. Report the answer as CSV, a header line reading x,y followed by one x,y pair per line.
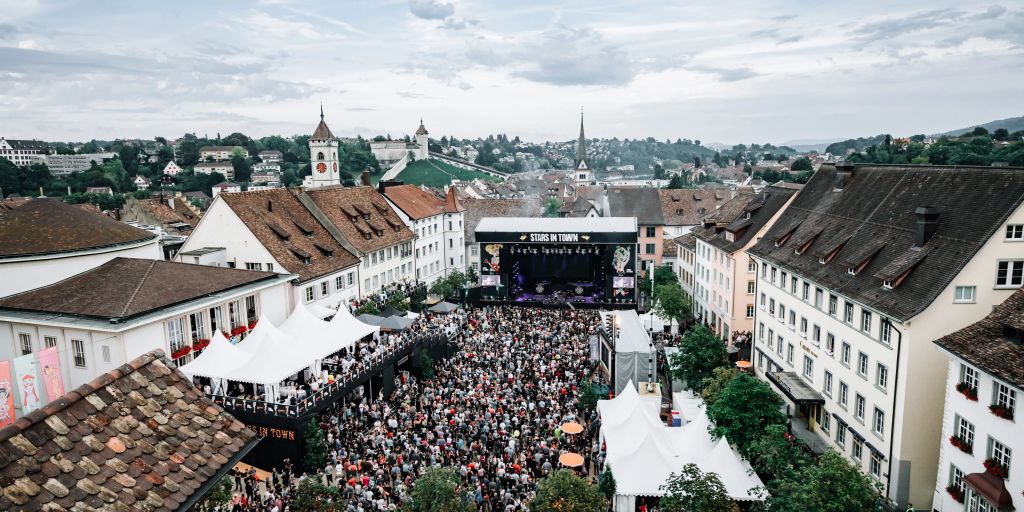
x,y
321,110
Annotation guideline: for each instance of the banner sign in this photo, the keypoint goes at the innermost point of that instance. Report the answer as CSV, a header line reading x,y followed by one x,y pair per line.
x,y
6,395
28,382
596,237
49,361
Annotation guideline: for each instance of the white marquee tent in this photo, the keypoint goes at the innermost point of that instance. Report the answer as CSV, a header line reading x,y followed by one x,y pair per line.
x,y
633,359
219,356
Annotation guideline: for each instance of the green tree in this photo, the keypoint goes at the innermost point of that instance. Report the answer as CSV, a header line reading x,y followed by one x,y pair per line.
x,y
700,352
551,207
606,484
745,407
801,164
832,484
439,489
563,491
9,182
692,490
398,300
671,302
369,307
587,398
716,383
426,365
775,455
241,165
472,277
663,274
316,447
675,182
313,496
659,172
218,495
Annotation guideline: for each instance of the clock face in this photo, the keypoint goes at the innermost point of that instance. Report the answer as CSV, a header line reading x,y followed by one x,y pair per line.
x,y
321,167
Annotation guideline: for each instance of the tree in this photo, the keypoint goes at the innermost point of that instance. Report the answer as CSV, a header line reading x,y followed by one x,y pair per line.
x,y
659,172
663,274
700,352
606,484
801,164
744,408
241,165
369,307
671,302
426,365
719,379
775,455
398,301
692,490
472,277
313,496
832,484
586,400
1001,134
442,288
438,489
9,182
979,131
316,447
675,182
218,496
551,207
563,491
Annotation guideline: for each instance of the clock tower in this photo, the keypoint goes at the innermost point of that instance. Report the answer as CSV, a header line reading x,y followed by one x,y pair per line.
x,y
323,156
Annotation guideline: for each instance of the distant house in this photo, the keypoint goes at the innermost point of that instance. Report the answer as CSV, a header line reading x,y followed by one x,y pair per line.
x,y
171,169
265,167
224,168
22,152
220,153
142,181
271,156
99,190
226,186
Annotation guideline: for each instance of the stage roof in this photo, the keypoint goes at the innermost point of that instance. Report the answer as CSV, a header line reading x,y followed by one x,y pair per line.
x,y
557,224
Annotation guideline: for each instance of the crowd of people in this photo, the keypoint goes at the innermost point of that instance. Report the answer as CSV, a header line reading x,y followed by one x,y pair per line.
x,y
492,411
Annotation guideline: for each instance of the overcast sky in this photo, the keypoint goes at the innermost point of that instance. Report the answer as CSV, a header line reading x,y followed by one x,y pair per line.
x,y
718,71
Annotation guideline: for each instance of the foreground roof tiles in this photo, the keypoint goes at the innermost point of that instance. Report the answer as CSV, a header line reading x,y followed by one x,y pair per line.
x,y
872,221
687,207
477,209
126,287
989,344
743,216
374,225
140,437
49,226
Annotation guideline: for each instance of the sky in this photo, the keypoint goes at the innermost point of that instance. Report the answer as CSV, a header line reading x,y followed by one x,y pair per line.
x,y
780,71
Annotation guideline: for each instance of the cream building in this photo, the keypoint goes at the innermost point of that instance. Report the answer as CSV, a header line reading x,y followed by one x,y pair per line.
x,y
22,152
389,152
220,153
860,274
725,277
62,165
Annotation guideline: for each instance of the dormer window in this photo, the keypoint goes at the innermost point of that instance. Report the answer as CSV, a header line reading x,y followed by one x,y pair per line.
x,y
851,270
822,261
730,236
887,284
747,215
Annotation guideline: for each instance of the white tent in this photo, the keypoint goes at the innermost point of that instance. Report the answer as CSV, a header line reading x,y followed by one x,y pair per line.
x,y
345,322
736,474
633,359
319,311
218,357
263,331
315,338
621,406
641,473
274,360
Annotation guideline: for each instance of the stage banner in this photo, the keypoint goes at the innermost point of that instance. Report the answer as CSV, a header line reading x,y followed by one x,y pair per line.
x,y
25,373
6,395
53,381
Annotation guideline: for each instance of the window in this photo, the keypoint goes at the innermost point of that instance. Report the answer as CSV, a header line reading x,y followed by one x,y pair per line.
x,y
859,404
650,232
1015,232
649,248
875,465
833,304
1010,274
826,421
881,376
827,388
819,298
253,266
760,331
858,448
792,319
865,321
964,294
1003,396
750,287
78,349
351,278
956,478
781,345
324,289
764,270
310,294
771,307
886,332
339,283
848,313
49,341
830,343
879,421
964,430
807,291
751,266
195,326
816,335
803,327
862,364
844,357
841,435
106,353
844,393
782,313
771,339
808,367
789,354
270,267
773,275
999,452
792,285
25,342
750,311
762,301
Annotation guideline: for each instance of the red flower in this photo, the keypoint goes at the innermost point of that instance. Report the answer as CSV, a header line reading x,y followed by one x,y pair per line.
x,y
200,344
239,330
1002,411
181,352
969,392
993,466
962,444
957,494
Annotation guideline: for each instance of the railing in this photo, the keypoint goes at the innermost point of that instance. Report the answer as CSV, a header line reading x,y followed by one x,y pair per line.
x,y
327,391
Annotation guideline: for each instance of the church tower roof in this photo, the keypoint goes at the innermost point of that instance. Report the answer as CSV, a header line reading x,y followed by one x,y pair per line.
x,y
581,148
452,203
322,132
422,130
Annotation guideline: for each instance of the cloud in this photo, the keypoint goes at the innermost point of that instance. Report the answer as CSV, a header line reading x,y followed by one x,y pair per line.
x,y
726,74
993,11
894,27
360,109
431,9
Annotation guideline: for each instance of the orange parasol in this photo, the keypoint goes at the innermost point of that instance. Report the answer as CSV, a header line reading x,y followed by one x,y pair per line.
x,y
572,428
743,364
570,460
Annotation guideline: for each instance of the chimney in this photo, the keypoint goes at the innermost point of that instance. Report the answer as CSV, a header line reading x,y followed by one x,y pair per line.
x,y
270,205
365,178
927,224
844,172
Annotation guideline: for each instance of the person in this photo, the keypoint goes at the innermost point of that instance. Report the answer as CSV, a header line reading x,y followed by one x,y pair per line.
x,y
910,507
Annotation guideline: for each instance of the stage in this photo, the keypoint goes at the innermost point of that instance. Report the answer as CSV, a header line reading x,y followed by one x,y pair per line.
x,y
582,262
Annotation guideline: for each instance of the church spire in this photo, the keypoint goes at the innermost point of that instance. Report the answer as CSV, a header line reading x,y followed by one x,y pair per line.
x,y
581,146
321,111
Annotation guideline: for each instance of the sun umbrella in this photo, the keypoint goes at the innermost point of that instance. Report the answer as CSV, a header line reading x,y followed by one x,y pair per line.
x,y
395,323
443,307
390,311
367,318
570,460
572,428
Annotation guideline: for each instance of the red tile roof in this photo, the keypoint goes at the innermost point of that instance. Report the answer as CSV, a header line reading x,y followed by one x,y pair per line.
x,y
414,201
452,203
50,226
362,216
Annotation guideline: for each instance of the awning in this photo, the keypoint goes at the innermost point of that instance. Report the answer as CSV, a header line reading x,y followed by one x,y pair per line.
x,y
992,488
856,435
875,450
839,420
795,388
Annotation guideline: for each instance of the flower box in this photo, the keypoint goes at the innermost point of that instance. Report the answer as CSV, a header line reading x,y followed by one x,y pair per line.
x,y
1001,411
200,344
994,467
252,324
955,493
239,330
962,444
968,391
181,352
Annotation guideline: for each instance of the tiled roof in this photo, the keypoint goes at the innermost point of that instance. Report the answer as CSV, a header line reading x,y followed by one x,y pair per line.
x,y
985,343
414,201
26,144
687,207
322,132
642,203
732,217
452,203
670,249
875,211
126,287
282,224
161,209
140,437
687,241
372,213
219,148
477,209
50,226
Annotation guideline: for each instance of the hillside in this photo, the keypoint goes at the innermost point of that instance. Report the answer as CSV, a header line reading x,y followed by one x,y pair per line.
x,y
858,144
434,173
1012,124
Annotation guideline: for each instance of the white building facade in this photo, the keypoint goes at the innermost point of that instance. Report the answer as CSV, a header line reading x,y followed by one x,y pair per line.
x,y
22,152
